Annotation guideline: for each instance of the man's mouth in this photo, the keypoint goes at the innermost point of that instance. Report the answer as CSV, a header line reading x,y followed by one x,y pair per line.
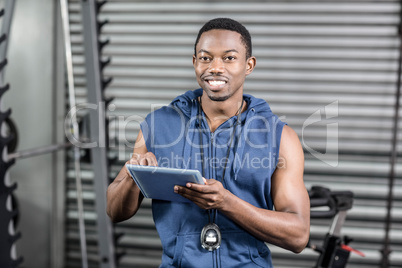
x,y
216,83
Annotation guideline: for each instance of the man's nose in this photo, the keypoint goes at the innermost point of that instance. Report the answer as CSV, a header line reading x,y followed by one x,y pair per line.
x,y
216,66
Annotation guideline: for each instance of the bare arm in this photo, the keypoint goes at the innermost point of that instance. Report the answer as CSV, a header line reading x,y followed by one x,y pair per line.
x,y
289,225
123,195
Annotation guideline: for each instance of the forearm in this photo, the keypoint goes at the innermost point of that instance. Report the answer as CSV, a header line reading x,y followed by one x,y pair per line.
x,y
123,197
285,229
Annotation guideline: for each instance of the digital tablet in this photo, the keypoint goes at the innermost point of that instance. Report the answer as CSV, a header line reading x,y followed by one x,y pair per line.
x,y
158,182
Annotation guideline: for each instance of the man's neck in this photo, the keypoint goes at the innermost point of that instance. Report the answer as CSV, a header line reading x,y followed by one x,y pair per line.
x,y
217,112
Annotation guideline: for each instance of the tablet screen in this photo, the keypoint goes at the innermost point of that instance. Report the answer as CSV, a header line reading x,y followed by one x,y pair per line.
x,y
158,182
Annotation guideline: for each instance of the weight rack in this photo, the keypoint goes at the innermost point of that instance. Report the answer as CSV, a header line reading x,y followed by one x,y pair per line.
x,y
8,211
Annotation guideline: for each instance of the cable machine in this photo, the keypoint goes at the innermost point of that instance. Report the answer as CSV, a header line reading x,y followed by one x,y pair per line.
x,y
96,85
98,133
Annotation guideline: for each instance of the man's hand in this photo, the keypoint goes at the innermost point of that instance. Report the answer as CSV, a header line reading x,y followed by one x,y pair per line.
x,y
147,159
212,195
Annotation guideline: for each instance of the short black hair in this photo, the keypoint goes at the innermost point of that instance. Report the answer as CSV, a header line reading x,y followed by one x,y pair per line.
x,y
227,24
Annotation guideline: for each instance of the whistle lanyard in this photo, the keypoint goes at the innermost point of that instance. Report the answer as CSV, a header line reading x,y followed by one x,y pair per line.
x,y
200,110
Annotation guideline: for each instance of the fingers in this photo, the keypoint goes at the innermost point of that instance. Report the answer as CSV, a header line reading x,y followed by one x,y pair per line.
x,y
193,196
206,196
147,159
214,186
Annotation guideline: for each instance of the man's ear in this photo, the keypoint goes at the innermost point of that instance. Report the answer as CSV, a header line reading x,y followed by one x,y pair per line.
x,y
194,59
251,62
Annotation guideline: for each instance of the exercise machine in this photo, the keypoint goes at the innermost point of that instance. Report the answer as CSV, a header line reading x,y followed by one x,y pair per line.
x,y
335,251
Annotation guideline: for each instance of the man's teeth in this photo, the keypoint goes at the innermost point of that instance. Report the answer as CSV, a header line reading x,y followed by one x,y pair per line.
x,y
216,83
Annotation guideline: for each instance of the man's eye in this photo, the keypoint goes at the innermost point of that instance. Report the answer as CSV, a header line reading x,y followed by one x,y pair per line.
x,y
230,58
204,58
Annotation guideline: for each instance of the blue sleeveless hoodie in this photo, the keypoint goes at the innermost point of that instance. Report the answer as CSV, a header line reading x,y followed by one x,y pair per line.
x,y
172,134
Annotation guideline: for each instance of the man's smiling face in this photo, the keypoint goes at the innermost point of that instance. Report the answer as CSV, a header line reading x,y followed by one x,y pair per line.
x,y
220,64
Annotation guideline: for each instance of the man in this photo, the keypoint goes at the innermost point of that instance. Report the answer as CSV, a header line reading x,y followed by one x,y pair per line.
x,y
251,161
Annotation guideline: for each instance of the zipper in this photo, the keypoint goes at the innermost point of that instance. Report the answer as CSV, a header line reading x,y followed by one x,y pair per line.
x,y
212,173
215,253
212,155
